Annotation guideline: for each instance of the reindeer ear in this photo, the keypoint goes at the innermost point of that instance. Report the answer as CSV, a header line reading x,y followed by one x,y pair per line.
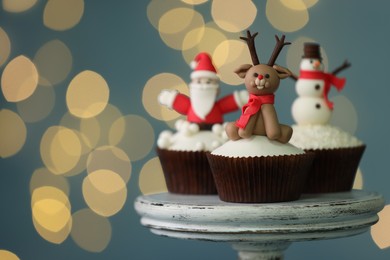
x,y
282,72
241,71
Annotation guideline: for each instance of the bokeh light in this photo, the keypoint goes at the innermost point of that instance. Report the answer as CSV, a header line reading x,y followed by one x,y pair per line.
x,y
97,129
5,46
152,89
295,53
54,62
151,178
51,212
7,255
91,231
344,114
38,106
43,177
13,133
358,183
61,15
134,135
110,158
207,39
18,6
380,231
19,79
233,15
284,18
157,8
228,56
87,94
194,2
60,149
174,25
299,4
105,192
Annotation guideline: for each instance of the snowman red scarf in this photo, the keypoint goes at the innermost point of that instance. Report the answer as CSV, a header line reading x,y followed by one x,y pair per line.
x,y
252,107
329,80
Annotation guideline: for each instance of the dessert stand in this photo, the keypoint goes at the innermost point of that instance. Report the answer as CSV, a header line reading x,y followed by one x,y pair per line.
x,y
260,231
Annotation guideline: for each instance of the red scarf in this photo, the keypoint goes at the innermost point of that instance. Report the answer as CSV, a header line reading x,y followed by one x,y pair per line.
x,y
329,80
252,107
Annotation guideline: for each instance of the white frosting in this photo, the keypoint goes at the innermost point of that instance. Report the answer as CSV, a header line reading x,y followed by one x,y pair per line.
x,y
256,146
189,138
322,137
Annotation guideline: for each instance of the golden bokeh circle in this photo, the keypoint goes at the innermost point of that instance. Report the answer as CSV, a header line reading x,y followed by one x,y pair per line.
x,y
8,255
295,53
344,114
54,62
105,192
38,106
284,18
152,89
228,56
207,38
13,133
19,79
380,231
87,94
233,15
151,178
157,8
110,158
61,149
19,6
299,4
134,135
61,15
176,23
91,231
5,47
43,177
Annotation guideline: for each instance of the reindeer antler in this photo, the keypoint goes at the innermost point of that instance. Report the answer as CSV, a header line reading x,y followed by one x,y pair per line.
x,y
279,46
250,41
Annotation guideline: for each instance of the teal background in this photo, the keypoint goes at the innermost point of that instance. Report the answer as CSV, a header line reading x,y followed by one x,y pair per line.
x,y
116,39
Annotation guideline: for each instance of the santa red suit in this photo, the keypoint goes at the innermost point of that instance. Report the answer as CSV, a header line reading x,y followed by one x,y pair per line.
x,y
201,106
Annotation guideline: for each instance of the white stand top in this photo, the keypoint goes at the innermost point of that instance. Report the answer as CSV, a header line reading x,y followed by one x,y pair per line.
x,y
260,231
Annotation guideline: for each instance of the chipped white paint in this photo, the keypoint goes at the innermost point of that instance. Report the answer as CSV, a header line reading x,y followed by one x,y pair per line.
x,y
260,231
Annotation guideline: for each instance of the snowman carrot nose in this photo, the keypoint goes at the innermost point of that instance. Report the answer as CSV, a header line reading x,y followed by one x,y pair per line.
x,y
317,63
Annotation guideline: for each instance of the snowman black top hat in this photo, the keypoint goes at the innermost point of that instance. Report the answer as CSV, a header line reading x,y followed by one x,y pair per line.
x,y
311,50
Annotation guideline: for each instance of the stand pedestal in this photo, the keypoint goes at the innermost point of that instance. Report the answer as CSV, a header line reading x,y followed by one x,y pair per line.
x,y
260,231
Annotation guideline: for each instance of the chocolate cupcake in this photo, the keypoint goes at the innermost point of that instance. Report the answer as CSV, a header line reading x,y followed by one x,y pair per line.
x,y
258,170
337,157
183,157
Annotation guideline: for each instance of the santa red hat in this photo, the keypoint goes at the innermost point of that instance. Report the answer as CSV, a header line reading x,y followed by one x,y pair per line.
x,y
203,67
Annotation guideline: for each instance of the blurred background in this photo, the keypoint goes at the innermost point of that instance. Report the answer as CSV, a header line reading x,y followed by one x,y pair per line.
x,y
79,115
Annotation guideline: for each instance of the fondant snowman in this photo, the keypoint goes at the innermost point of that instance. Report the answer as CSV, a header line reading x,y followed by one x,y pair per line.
x,y
313,85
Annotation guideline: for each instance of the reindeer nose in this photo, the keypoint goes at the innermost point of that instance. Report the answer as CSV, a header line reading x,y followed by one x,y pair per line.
x,y
260,77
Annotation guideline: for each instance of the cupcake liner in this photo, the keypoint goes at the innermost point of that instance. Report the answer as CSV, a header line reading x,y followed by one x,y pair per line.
x,y
260,179
187,172
334,170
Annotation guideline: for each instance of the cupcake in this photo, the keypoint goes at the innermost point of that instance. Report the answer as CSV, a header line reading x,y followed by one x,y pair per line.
x,y
259,170
183,154
337,157
337,153
183,157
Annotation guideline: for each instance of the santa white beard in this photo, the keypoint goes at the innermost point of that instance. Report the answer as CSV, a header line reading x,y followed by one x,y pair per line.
x,y
203,98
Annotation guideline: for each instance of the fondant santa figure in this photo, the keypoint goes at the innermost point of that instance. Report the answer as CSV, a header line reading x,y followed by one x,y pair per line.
x,y
313,85
202,106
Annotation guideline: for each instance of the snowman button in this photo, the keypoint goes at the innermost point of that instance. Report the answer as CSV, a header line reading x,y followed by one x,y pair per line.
x,y
317,87
318,106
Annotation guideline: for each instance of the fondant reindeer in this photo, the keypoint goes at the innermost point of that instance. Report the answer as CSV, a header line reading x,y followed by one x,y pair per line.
x,y
261,80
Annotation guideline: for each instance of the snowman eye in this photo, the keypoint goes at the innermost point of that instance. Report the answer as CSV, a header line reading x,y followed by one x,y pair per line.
x,y
198,81
311,61
208,82
255,75
267,76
